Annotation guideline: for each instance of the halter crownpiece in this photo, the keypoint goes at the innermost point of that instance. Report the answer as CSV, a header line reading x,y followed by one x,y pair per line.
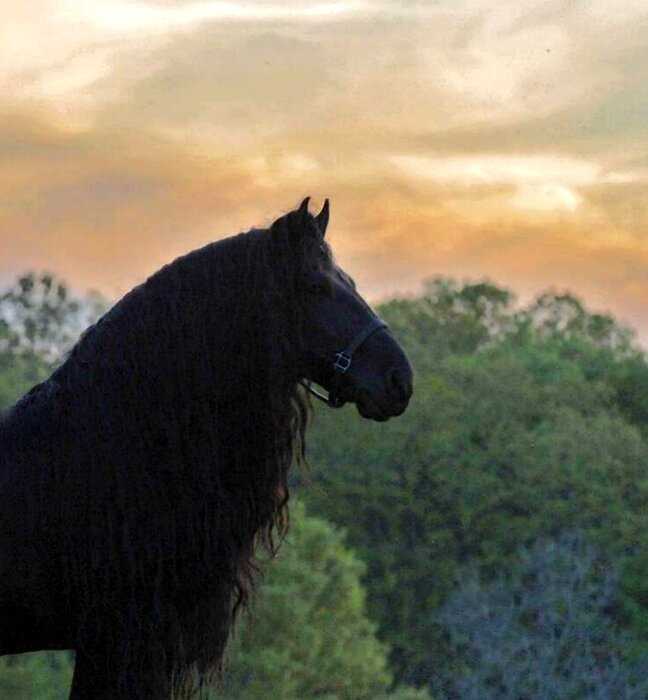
x,y
342,363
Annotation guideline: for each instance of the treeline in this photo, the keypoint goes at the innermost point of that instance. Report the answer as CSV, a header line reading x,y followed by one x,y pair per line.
x,y
490,543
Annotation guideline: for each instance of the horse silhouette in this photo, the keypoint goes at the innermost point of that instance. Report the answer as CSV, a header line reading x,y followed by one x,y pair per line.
x,y
137,482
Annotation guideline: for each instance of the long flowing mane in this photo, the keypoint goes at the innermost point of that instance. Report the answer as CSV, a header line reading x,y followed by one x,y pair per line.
x,y
155,459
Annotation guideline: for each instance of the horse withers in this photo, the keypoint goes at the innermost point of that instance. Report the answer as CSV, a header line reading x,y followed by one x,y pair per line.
x,y
138,480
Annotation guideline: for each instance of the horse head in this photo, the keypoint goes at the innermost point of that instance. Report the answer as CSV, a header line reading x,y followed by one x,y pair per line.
x,y
346,348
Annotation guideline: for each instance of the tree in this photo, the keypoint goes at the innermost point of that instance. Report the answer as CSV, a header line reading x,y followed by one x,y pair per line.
x,y
564,317
542,632
309,635
520,437
39,322
40,676
449,319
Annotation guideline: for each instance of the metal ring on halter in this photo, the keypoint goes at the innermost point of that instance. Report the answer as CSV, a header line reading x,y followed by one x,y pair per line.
x,y
342,363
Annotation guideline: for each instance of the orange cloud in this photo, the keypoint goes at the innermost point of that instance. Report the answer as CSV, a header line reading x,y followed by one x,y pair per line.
x,y
455,139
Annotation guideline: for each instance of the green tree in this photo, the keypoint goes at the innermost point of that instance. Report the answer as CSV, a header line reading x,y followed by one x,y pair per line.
x,y
39,322
40,676
449,319
519,436
564,317
308,635
42,317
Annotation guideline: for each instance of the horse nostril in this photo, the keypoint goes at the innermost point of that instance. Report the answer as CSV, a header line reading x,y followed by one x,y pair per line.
x,y
399,383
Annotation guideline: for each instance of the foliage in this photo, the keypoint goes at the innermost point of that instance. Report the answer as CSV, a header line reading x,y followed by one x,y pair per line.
x,y
308,635
39,321
521,435
542,632
41,318
449,319
41,676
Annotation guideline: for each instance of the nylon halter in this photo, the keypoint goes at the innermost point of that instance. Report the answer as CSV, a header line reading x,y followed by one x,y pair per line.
x,y
342,363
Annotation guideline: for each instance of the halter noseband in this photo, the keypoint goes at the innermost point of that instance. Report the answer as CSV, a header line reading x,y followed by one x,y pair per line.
x,y
342,363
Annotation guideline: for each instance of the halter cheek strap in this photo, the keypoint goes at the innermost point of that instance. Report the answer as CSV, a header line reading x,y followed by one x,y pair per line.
x,y
342,363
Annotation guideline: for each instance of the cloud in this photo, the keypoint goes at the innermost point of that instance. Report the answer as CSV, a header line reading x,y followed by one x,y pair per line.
x,y
104,209
391,71
400,239
540,182
461,138
494,169
131,17
212,88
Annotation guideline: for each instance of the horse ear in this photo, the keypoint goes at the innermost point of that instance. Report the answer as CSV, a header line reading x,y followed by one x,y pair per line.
x,y
303,208
322,218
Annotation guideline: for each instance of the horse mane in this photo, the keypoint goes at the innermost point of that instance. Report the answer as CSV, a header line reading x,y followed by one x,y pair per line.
x,y
155,459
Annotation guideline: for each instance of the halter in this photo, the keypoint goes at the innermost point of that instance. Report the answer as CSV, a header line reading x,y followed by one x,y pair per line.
x,y
342,363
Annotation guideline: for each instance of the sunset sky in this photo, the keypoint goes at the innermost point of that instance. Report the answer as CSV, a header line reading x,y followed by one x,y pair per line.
x,y
471,138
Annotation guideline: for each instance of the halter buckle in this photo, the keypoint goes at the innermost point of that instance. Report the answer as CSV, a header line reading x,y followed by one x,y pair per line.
x,y
342,362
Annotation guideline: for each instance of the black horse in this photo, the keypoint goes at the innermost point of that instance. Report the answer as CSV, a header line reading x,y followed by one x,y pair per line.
x,y
137,481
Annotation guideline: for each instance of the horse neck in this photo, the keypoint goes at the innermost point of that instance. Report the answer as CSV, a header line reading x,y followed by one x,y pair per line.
x,y
201,329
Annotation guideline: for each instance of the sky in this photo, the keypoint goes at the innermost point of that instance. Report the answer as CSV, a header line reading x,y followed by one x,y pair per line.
x,y
492,140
